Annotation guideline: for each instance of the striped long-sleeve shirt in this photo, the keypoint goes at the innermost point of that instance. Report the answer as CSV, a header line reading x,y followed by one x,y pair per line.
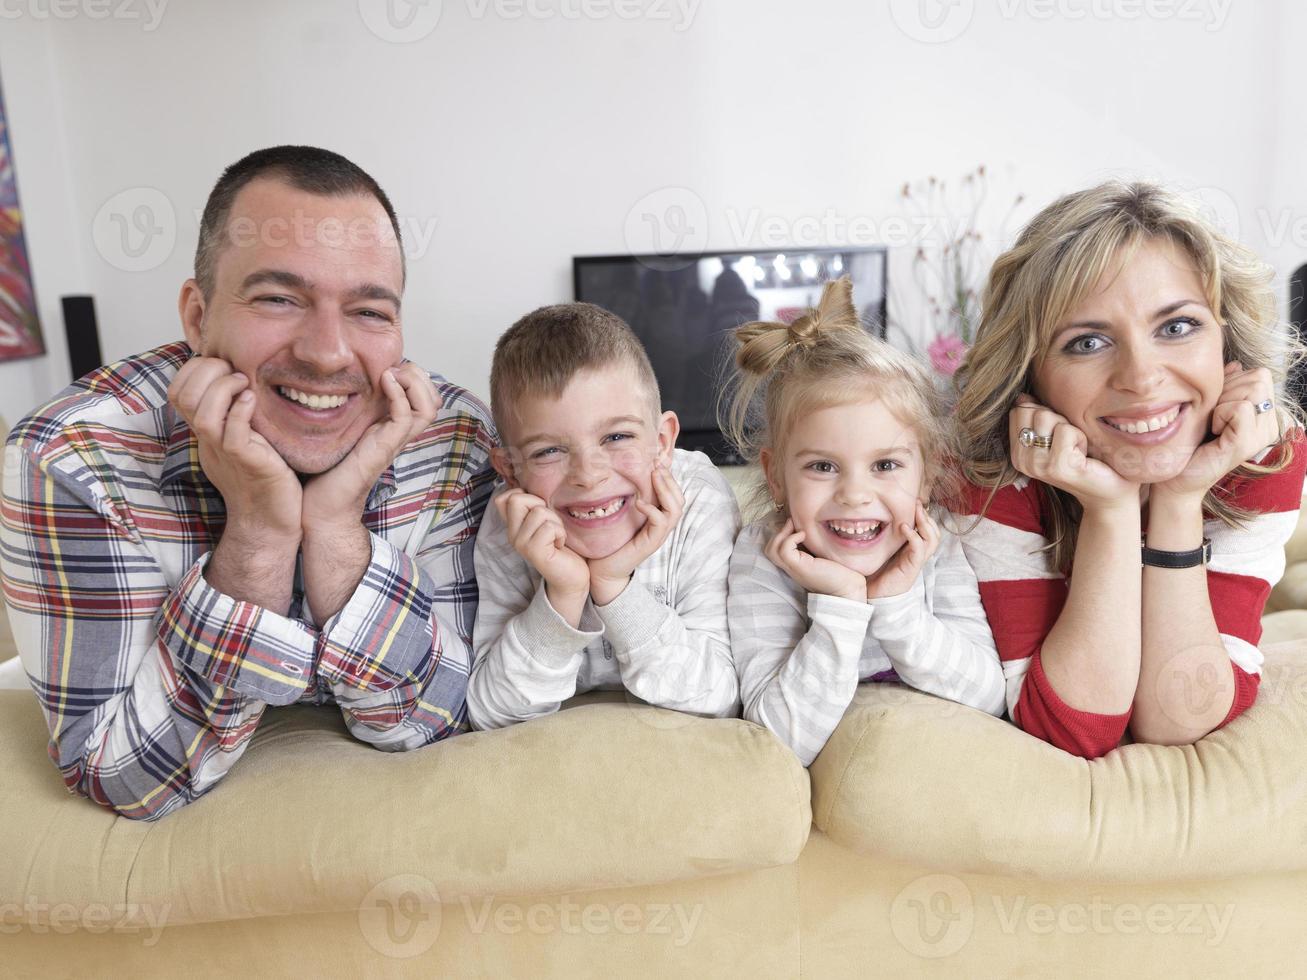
x,y
664,638
1024,596
800,656
152,681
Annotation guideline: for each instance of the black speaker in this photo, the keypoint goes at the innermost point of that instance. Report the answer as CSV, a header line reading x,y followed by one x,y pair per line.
x,y
83,335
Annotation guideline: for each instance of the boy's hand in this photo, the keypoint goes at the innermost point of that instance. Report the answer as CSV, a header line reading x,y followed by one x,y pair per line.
x,y
609,576
819,575
897,575
538,535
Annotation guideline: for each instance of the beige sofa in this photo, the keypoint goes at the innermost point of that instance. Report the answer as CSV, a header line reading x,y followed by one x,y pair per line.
x,y
616,839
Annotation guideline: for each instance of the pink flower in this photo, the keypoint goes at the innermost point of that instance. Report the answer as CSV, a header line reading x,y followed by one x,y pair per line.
x,y
946,352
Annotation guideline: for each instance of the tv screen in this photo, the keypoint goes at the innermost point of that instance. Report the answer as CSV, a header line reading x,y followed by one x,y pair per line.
x,y
684,307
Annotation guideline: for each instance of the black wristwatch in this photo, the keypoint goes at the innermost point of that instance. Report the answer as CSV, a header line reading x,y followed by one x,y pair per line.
x,y
1176,559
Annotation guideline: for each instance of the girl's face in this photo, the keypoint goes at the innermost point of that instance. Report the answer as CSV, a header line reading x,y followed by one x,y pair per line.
x,y
1138,366
851,474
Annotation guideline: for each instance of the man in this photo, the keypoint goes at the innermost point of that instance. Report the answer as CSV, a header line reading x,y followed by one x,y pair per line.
x,y
279,510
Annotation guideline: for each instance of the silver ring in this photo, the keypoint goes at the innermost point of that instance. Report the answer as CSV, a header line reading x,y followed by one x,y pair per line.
x,y
1032,440
1262,407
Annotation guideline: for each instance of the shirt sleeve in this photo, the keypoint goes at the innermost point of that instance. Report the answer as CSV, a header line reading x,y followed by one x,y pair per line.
x,y
397,655
151,693
526,656
679,656
939,641
1023,598
796,654
1248,561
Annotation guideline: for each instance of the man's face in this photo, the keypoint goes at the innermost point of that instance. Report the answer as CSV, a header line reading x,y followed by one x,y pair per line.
x,y
589,454
306,305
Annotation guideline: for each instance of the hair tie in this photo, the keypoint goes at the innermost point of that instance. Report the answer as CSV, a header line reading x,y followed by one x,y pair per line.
x,y
803,331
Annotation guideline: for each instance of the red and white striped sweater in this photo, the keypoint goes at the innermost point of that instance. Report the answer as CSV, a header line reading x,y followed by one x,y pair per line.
x,y
1023,596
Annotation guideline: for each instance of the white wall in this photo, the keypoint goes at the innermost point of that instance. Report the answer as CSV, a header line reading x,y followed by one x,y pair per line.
x,y
529,140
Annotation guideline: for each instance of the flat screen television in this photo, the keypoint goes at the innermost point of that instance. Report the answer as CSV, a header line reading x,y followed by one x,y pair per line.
x,y
684,307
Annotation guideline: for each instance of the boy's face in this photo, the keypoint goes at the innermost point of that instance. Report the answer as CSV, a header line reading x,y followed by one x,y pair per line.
x,y
589,454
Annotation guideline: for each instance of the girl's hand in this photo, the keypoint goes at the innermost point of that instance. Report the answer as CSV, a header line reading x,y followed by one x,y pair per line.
x,y
820,575
1066,464
897,575
1241,432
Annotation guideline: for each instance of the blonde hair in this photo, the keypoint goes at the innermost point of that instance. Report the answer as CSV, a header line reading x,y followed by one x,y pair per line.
x,y
826,358
544,350
1056,262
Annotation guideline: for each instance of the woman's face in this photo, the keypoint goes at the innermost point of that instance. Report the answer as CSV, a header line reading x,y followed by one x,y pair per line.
x,y
1138,366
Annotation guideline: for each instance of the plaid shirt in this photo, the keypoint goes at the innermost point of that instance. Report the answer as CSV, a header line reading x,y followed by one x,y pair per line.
x,y
152,681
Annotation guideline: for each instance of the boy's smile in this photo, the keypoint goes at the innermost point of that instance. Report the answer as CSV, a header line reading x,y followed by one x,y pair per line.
x,y
589,454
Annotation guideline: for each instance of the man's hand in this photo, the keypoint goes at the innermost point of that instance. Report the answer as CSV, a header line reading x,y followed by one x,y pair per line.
x,y
538,535
337,547
819,575
1241,433
261,492
897,575
254,560
1066,464
609,576
336,498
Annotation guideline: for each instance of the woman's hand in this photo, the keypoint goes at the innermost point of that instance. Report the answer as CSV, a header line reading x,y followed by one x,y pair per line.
x,y
1066,463
1240,432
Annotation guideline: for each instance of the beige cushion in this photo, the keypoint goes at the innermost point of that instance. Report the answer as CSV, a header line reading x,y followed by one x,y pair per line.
x,y
597,796
926,781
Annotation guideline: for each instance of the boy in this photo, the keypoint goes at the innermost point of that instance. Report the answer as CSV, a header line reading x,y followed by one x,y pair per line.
x,y
602,560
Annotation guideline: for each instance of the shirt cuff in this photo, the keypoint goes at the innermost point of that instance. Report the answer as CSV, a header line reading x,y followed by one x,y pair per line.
x,y
633,618
382,634
893,610
235,644
839,614
548,637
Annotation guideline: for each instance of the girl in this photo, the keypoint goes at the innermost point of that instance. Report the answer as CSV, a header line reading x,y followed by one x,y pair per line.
x,y
850,577
1123,381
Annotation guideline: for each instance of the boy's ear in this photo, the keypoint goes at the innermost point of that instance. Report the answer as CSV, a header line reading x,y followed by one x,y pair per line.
x,y
502,460
669,427
190,305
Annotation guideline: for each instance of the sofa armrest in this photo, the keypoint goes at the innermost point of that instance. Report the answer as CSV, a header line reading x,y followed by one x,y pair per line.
x,y
597,796
923,780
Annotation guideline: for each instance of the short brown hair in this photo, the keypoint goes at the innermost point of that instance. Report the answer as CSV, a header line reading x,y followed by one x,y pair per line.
x,y
544,350
305,168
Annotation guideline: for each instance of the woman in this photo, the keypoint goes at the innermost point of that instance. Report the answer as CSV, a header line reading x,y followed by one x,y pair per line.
x,y
1133,474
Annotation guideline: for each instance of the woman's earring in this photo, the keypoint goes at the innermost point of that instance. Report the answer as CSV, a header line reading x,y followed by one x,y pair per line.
x,y
780,505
